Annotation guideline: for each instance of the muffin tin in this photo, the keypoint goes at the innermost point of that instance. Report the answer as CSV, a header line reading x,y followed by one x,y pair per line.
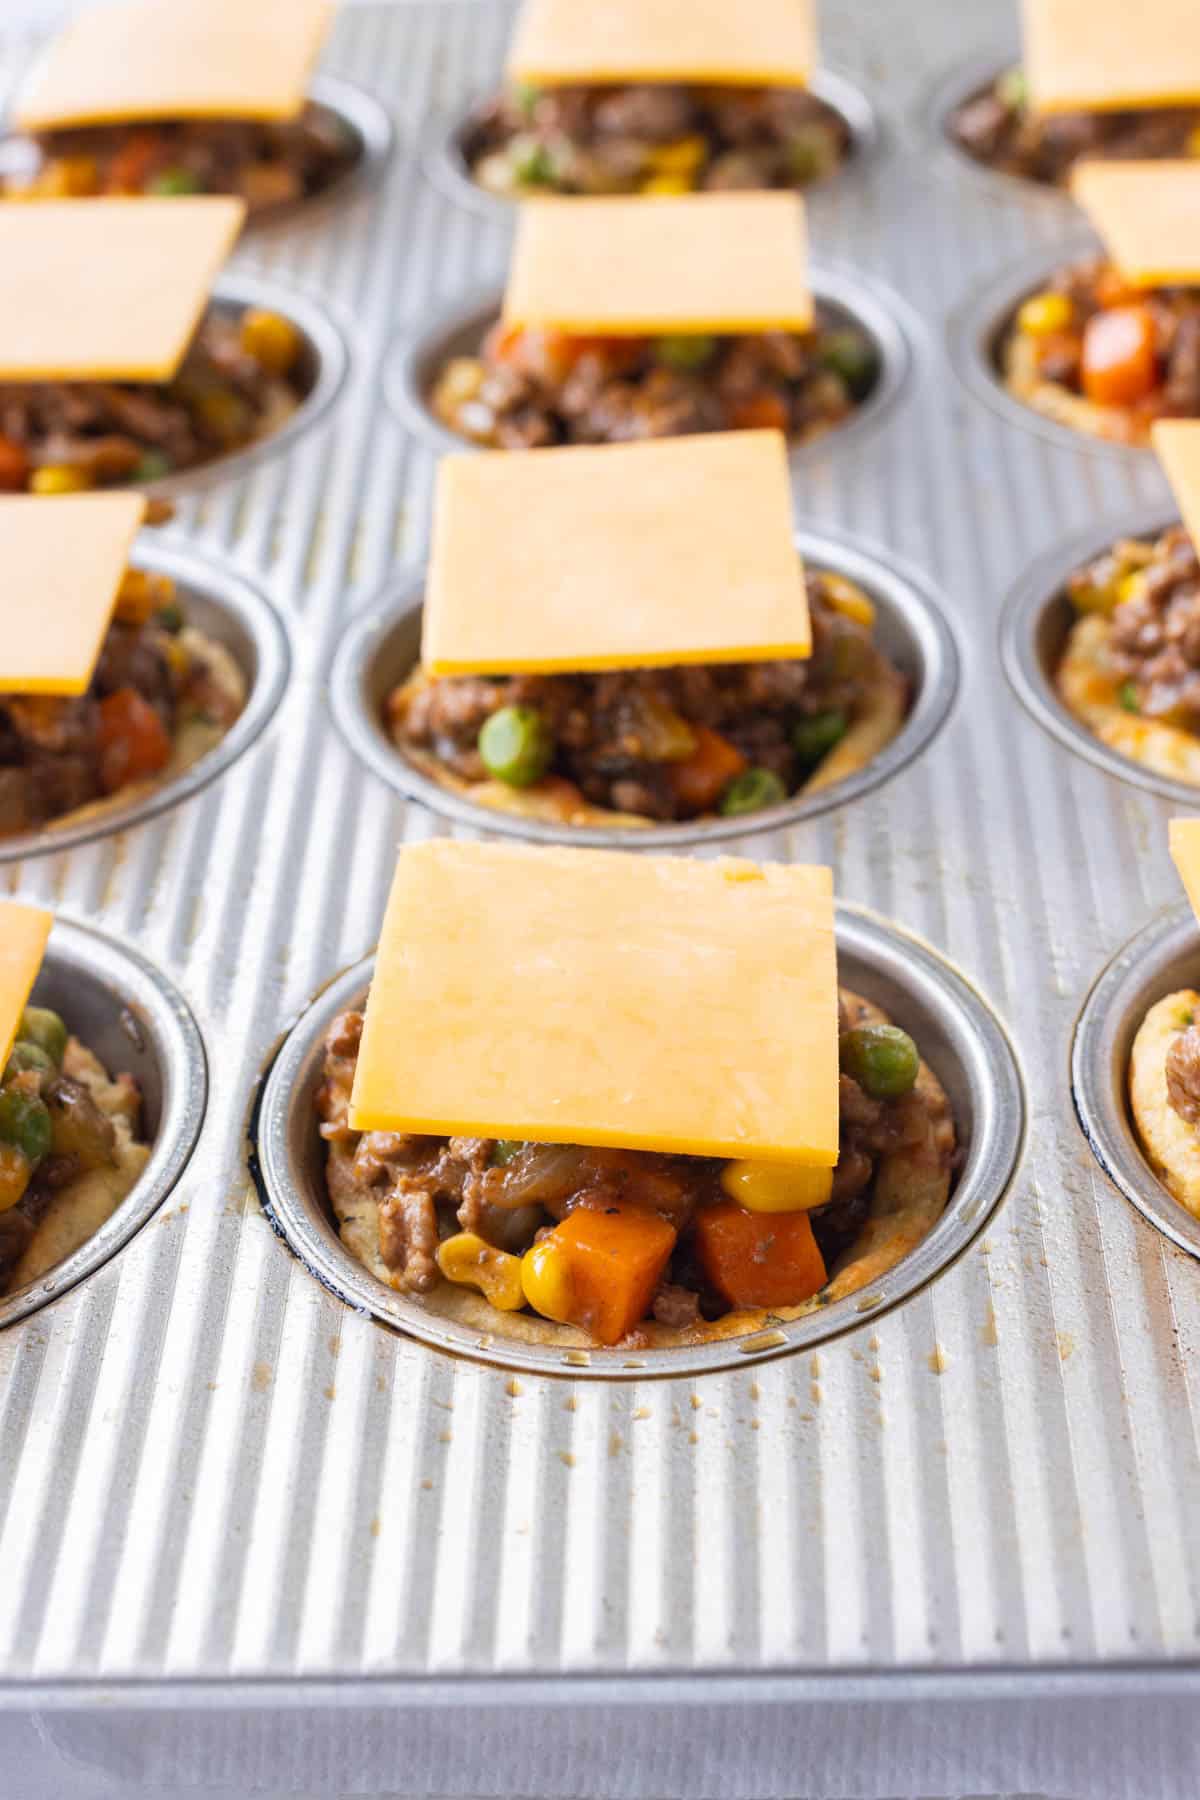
x,y
962,1482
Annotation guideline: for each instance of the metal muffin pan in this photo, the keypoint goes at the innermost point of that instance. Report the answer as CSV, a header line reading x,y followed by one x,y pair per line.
x,y
382,646
357,111
1162,957
324,360
977,329
444,148
229,609
1033,632
137,1023
958,1034
841,299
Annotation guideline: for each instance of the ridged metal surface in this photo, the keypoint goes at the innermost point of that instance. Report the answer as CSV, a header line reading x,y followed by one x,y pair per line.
x,y
212,1469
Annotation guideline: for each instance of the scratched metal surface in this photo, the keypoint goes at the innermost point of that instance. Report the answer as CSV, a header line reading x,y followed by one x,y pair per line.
x,y
211,1469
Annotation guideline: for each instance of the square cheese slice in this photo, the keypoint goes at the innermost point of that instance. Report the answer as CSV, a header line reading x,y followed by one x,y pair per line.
x,y
1148,214
107,290
680,263
63,560
755,41
1097,55
23,934
1177,442
599,998
1185,853
620,556
176,59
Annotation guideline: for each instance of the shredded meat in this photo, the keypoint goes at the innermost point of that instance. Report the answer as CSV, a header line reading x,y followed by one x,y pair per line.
x,y
1183,1075
994,126
1154,638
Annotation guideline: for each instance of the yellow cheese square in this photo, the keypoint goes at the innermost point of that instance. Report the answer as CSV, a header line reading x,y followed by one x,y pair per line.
x,y
744,44
1177,442
23,934
63,560
594,997
680,263
176,59
1148,214
618,556
107,289
1097,55
1185,853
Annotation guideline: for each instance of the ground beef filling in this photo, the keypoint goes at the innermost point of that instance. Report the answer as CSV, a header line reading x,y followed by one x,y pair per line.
x,y
531,387
266,162
996,128
1183,1075
152,678
427,1189
238,382
1151,592
1131,355
663,744
659,138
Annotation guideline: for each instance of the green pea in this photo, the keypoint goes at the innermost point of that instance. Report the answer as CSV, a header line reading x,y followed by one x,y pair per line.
x,y
751,791
815,737
152,467
881,1058
170,617
526,96
1012,90
1127,694
685,352
851,356
516,745
504,1149
44,1028
25,1123
23,1057
175,181
532,163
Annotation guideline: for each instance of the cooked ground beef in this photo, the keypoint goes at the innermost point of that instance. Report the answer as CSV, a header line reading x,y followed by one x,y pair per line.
x,y
238,382
528,388
653,138
1183,1075
1151,592
268,163
1103,356
664,744
428,1189
995,127
152,677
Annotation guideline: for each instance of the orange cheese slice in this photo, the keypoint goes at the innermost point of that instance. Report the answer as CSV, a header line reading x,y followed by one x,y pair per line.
x,y
1148,214
107,289
23,934
1185,853
1097,55
63,560
1177,442
684,263
175,59
756,41
594,997
615,557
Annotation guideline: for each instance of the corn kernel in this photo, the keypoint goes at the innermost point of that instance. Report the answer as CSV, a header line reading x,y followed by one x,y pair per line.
x,y
270,339
1044,314
848,598
15,1171
546,1281
135,598
68,178
667,184
768,1187
682,156
471,1262
59,478
1130,587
